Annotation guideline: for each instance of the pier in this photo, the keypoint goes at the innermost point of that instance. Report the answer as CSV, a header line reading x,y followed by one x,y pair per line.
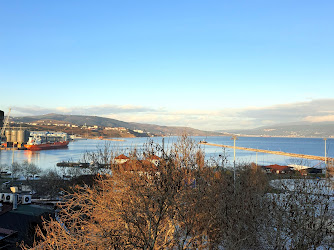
x,y
310,157
83,164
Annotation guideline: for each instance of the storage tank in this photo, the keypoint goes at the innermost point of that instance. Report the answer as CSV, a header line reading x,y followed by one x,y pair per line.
x,y
14,136
20,136
8,135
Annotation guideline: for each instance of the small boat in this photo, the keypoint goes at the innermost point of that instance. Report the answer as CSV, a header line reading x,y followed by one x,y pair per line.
x,y
35,144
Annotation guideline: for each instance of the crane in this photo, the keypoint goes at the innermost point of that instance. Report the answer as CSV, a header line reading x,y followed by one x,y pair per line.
x,y
5,124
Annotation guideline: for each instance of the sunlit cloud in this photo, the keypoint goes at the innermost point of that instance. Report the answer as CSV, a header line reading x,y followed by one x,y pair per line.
x,y
32,110
85,110
220,119
62,110
326,118
291,112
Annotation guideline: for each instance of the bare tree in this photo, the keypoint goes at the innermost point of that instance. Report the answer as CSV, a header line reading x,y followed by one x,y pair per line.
x,y
50,184
16,169
3,167
30,170
181,203
300,215
140,206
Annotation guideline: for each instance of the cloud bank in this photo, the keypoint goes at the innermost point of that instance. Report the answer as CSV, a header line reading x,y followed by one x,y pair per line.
x,y
320,110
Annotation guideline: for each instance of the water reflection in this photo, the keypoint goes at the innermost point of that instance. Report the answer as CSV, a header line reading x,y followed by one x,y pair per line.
x,y
31,156
49,158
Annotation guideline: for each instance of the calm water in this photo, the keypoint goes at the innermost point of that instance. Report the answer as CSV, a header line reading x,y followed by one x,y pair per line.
x,y
75,151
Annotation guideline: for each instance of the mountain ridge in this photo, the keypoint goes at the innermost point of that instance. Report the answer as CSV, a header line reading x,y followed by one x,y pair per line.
x,y
109,122
295,129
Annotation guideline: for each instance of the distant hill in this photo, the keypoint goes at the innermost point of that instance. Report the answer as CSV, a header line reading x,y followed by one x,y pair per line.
x,y
107,122
320,129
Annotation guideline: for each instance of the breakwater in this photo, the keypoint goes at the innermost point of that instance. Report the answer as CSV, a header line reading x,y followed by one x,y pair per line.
x,y
294,155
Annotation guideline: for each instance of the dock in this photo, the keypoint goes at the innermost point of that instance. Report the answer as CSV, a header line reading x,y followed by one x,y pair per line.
x,y
82,165
293,155
107,139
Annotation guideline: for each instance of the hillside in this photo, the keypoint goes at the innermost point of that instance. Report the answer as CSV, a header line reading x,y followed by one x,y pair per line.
x,y
325,129
107,122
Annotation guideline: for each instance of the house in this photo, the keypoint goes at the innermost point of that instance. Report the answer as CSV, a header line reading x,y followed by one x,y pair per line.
x,y
7,236
138,131
278,169
148,166
121,159
154,159
134,165
151,159
305,170
298,167
314,170
20,224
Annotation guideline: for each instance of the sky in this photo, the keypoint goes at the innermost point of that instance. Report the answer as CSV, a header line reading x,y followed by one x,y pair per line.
x,y
210,65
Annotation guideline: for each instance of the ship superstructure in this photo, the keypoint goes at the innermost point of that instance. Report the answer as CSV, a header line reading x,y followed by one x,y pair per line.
x,y
50,136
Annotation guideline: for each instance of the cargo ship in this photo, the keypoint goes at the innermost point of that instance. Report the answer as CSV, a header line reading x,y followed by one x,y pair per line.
x,y
36,143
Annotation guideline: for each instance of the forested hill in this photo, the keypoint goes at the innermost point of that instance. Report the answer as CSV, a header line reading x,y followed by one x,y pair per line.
x,y
107,122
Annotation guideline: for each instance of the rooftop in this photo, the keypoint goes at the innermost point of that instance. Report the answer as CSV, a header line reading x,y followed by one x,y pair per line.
x,y
121,157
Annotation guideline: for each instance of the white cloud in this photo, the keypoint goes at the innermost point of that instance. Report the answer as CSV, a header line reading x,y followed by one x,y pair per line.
x,y
219,119
291,112
325,118
85,110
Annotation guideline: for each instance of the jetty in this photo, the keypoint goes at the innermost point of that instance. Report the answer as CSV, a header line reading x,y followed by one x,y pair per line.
x,y
82,164
310,157
107,139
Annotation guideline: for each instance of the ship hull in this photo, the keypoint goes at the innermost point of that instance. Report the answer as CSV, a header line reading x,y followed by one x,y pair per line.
x,y
49,145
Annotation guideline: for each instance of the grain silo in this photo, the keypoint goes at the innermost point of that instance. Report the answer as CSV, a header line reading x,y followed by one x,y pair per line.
x,y
20,136
14,135
8,135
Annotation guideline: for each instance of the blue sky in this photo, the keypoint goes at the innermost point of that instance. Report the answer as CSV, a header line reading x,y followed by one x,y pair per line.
x,y
205,64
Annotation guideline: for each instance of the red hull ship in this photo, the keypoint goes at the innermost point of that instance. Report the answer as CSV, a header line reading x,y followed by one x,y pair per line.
x,y
47,145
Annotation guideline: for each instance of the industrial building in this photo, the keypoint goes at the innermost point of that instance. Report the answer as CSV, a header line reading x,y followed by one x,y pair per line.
x,y
16,137
12,137
2,115
21,138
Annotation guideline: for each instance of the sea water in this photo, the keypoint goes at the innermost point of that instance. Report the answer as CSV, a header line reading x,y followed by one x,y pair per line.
x,y
47,159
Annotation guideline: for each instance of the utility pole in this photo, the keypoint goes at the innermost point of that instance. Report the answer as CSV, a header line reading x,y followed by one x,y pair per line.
x,y
325,139
12,162
223,156
234,137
